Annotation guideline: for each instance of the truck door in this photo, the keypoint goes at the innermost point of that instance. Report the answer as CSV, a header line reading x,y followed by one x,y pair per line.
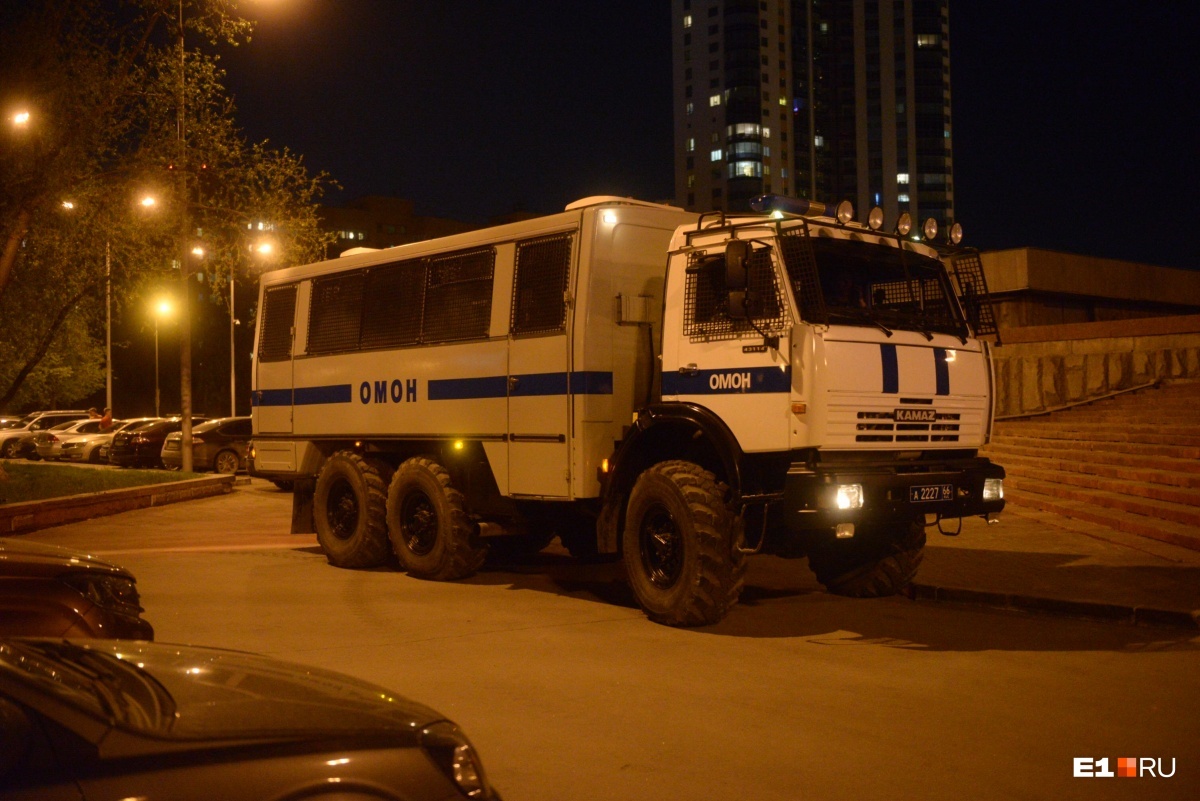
x,y
272,399
539,399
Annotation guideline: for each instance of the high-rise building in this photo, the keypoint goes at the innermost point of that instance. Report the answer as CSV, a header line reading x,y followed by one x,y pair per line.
x,y
824,99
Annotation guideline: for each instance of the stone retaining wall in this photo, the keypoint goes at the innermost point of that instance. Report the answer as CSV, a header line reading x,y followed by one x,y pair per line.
x,y
1044,367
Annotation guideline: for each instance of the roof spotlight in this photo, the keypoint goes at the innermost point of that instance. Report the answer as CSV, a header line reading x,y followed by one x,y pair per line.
x,y
930,229
904,224
875,219
845,212
956,233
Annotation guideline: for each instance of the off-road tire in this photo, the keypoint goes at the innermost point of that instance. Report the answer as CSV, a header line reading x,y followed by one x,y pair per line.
x,y
430,531
680,546
225,459
879,560
350,511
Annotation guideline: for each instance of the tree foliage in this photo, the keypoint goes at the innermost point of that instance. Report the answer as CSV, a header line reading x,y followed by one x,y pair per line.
x,y
103,82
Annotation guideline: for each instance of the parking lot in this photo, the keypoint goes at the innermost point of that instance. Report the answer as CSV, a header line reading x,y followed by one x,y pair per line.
x,y
570,692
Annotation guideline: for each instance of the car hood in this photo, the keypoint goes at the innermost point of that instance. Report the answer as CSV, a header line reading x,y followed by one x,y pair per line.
x,y
20,557
206,694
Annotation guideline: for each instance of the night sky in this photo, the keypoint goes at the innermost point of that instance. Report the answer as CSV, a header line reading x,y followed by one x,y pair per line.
x,y
1074,122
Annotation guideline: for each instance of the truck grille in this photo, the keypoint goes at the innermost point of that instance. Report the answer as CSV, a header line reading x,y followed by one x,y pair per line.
x,y
880,426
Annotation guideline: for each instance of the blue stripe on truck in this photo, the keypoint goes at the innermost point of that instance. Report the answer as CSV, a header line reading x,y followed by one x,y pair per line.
x,y
580,382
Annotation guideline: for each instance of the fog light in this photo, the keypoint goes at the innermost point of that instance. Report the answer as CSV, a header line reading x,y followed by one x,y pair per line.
x,y
850,496
844,531
993,489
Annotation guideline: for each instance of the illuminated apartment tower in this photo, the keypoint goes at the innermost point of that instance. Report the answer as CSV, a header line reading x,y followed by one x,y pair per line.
x,y
825,99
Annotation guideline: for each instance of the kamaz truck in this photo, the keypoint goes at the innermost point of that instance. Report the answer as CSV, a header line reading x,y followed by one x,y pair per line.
x,y
673,389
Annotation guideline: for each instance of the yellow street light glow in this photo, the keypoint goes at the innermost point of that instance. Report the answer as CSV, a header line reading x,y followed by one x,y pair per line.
x,y
197,251
68,205
21,118
163,307
458,445
148,201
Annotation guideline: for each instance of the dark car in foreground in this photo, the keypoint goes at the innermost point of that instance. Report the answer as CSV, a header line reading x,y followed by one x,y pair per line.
x,y
142,447
217,445
53,592
117,720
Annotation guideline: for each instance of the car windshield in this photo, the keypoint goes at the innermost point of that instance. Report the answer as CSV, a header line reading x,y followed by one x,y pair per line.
x,y
91,680
867,284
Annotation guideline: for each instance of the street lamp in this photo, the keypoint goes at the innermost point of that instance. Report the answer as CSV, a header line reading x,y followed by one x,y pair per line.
x,y
162,310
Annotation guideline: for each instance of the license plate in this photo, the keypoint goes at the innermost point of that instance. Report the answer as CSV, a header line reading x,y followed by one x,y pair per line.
x,y
930,493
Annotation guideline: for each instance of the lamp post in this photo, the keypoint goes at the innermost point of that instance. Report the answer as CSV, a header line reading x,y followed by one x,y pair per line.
x,y
162,309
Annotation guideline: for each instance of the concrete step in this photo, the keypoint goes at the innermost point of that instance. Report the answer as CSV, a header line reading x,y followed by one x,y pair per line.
x,y
1037,449
1070,462
1146,435
1185,514
1161,530
1138,489
1140,449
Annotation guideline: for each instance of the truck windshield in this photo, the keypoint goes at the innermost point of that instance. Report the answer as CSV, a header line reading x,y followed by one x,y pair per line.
x,y
861,283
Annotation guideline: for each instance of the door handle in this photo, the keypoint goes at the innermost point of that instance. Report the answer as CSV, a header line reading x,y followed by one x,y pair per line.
x,y
512,382
688,369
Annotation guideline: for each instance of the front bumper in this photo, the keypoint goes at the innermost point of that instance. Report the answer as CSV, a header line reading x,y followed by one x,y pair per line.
x,y
890,491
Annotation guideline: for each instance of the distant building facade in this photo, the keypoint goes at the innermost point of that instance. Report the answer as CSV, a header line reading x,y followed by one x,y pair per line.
x,y
825,99
375,221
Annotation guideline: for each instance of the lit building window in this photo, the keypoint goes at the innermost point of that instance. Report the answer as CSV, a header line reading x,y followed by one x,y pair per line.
x,y
743,129
715,155
742,149
901,177
783,174
819,141
766,152
783,101
687,20
690,108
902,197
766,132
691,144
928,40
691,180
714,100
745,169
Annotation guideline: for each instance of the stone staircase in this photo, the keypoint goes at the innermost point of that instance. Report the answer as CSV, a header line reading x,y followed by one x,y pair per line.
x,y
1131,462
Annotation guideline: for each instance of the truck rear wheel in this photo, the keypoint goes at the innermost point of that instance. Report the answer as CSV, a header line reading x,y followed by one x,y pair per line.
x,y
430,532
877,561
679,546
349,509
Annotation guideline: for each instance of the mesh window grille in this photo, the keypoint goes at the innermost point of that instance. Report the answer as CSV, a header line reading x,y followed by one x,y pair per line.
x,y
540,285
706,300
335,317
279,312
967,272
802,272
458,296
924,295
393,305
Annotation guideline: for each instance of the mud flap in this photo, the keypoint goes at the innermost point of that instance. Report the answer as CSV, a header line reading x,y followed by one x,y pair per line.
x,y
302,506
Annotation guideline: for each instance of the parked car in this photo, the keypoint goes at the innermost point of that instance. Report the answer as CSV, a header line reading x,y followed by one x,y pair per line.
x,y
102,719
93,448
143,446
54,592
49,443
218,445
17,441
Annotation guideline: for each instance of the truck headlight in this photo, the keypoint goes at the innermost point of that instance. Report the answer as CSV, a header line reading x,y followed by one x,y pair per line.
x,y
453,753
993,489
849,496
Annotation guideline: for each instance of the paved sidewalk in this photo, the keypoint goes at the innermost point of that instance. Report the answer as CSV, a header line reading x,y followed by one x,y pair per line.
x,y
1037,561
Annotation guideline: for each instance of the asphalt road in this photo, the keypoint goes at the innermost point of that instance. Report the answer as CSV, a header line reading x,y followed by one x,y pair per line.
x,y
569,692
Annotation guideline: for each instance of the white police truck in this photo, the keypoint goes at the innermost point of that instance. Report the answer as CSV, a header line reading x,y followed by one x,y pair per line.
x,y
682,390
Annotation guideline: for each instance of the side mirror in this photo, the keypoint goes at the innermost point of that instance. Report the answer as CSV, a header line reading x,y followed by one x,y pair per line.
x,y
737,304
737,256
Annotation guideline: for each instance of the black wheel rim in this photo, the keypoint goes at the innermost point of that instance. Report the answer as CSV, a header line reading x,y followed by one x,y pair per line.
x,y
418,523
342,510
661,546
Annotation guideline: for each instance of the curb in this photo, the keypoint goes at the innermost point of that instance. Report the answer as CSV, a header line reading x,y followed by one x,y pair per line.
x,y
17,518
1092,610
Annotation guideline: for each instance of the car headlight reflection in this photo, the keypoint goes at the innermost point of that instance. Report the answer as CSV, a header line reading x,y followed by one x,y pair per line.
x,y
115,593
993,489
453,753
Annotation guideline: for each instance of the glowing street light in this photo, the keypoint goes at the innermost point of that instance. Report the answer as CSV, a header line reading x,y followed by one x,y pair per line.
x,y
163,309
148,202
21,118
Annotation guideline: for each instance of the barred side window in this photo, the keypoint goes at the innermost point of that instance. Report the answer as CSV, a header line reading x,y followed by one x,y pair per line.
x,y
540,285
706,298
393,304
458,296
335,317
279,313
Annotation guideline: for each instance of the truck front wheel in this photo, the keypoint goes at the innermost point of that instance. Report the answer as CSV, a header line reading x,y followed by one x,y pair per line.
x,y
349,510
679,546
879,560
431,534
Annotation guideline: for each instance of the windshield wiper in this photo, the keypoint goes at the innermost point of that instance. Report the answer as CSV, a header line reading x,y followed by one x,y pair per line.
x,y
860,314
